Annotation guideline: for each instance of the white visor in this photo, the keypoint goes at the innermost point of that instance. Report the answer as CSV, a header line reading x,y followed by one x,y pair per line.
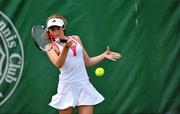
x,y
55,22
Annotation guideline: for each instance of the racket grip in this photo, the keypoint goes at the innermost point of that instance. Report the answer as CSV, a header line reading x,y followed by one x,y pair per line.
x,y
63,40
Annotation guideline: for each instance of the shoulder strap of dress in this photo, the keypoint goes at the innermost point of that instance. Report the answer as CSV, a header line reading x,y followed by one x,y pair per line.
x,y
74,38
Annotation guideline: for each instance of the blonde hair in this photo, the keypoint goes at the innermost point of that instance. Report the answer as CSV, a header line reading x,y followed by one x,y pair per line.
x,y
57,16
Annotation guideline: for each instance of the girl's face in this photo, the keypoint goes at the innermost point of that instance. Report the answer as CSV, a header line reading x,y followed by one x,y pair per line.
x,y
56,31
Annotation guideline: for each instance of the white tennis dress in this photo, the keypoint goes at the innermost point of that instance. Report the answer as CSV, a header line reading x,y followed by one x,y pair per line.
x,y
74,88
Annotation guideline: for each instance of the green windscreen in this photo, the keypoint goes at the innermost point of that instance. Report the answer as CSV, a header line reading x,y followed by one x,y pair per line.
x,y
146,80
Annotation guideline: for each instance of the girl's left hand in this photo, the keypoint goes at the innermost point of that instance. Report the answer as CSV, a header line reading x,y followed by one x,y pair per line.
x,y
69,43
111,55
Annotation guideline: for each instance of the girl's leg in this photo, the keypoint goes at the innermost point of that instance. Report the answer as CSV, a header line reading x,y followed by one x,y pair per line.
x,y
85,109
66,111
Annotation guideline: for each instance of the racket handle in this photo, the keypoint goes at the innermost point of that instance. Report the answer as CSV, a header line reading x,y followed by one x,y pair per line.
x,y
63,40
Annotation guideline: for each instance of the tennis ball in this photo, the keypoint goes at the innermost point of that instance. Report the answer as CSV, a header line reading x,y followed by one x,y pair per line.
x,y
99,71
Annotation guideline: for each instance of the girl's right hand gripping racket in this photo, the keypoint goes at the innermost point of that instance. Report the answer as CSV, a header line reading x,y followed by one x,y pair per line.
x,y
40,36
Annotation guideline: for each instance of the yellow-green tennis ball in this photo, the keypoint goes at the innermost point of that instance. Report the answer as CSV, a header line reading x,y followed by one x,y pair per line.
x,y
99,72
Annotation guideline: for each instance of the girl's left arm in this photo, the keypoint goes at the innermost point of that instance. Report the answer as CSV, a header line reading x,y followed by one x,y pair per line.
x,y
90,61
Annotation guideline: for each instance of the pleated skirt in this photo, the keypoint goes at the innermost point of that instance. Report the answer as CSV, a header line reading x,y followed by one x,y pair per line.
x,y
75,94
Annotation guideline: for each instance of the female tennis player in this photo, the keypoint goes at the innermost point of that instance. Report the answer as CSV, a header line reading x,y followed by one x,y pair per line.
x,y
74,88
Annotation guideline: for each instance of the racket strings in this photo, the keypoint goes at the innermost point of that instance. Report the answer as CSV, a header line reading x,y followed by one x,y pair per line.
x,y
40,36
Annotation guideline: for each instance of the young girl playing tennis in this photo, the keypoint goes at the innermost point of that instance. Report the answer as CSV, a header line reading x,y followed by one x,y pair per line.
x,y
74,88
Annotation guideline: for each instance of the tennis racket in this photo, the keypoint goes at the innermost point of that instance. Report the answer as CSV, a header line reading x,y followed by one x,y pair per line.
x,y
41,37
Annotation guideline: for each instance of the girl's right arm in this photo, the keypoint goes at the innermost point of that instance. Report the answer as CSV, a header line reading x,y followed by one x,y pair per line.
x,y
58,60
